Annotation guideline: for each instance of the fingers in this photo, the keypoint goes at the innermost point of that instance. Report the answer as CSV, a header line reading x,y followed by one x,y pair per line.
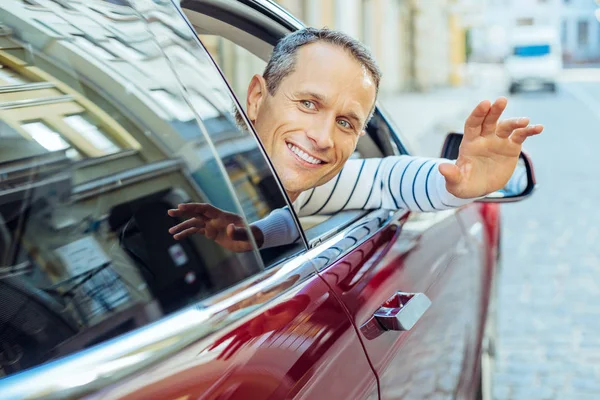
x,y
506,127
451,172
199,208
190,210
475,120
519,135
491,120
173,212
190,223
186,233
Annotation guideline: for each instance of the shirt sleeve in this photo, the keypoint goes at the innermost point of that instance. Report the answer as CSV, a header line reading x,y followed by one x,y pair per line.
x,y
278,228
396,182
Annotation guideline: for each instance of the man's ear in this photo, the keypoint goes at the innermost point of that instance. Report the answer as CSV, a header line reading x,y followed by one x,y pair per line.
x,y
257,91
362,133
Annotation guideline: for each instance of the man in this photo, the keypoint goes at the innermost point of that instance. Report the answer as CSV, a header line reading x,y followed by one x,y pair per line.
x,y
310,107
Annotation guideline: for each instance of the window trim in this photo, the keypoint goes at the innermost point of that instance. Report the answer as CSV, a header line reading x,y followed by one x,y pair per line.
x,y
374,220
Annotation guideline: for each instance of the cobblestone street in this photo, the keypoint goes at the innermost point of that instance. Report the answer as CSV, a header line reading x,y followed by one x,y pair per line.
x,y
549,283
549,293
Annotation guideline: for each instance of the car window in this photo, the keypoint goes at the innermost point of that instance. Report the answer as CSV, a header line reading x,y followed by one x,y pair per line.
x,y
110,116
242,49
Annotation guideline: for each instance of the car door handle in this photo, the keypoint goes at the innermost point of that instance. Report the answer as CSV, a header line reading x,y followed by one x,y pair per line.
x,y
402,311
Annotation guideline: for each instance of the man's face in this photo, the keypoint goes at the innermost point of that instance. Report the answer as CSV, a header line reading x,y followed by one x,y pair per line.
x,y
311,125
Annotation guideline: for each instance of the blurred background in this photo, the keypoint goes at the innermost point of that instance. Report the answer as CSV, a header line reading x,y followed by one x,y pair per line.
x,y
439,59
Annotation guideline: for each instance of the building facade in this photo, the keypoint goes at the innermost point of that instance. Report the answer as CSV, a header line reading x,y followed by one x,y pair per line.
x,y
419,45
580,31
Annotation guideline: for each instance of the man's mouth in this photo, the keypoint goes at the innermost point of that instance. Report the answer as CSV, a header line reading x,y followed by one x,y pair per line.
x,y
303,155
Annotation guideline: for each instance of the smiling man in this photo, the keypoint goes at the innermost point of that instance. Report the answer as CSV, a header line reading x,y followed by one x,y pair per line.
x,y
310,107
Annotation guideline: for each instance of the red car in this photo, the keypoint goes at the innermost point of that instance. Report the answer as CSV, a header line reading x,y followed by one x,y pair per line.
x,y
114,112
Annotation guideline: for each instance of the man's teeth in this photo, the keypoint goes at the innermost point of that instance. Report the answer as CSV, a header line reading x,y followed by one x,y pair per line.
x,y
303,155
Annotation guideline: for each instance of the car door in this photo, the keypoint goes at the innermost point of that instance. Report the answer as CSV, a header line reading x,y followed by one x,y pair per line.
x,y
414,254
107,130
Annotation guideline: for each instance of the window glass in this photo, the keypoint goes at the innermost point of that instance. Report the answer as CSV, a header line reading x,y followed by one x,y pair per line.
x,y
92,133
95,148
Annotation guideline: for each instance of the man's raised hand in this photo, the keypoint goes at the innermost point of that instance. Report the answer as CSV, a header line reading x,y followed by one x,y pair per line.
x,y
225,228
489,151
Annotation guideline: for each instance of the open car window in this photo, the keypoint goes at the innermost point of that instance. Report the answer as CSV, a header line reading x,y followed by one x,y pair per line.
x,y
111,116
241,41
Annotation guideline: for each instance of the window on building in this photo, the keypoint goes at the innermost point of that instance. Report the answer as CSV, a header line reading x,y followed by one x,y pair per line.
x,y
564,33
174,106
582,33
92,133
45,136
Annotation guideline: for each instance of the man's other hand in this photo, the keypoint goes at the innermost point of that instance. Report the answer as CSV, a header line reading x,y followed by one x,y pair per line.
x,y
489,151
226,229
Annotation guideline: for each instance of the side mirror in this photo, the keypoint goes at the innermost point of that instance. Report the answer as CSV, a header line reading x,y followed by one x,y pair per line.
x,y
521,184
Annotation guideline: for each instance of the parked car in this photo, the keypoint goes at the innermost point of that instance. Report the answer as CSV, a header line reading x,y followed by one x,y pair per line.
x,y
113,112
535,59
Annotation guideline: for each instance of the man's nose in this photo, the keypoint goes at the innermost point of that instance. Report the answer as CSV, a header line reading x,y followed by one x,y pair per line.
x,y
321,136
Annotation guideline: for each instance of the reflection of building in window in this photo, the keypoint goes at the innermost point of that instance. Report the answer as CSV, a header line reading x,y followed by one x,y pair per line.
x,y
10,77
241,177
30,93
93,48
119,48
92,133
176,108
44,135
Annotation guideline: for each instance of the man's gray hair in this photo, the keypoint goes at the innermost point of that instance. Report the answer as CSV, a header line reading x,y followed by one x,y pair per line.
x,y
283,58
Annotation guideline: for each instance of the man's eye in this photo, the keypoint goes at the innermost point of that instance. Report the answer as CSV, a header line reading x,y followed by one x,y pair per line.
x,y
344,124
308,104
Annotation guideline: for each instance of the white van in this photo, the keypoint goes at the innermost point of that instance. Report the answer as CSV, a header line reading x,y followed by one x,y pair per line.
x,y
535,59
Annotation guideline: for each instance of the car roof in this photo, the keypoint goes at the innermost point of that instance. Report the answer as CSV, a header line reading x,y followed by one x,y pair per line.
x,y
275,11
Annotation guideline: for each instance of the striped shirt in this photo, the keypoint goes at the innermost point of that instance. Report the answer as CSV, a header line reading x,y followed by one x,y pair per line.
x,y
394,183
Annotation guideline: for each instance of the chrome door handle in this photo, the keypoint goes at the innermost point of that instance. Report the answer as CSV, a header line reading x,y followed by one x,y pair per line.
x,y
402,311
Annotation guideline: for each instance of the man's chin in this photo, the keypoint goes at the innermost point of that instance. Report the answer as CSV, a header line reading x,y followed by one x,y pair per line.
x,y
298,182
292,187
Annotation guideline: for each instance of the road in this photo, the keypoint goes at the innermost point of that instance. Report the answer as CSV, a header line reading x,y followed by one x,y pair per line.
x,y
549,286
